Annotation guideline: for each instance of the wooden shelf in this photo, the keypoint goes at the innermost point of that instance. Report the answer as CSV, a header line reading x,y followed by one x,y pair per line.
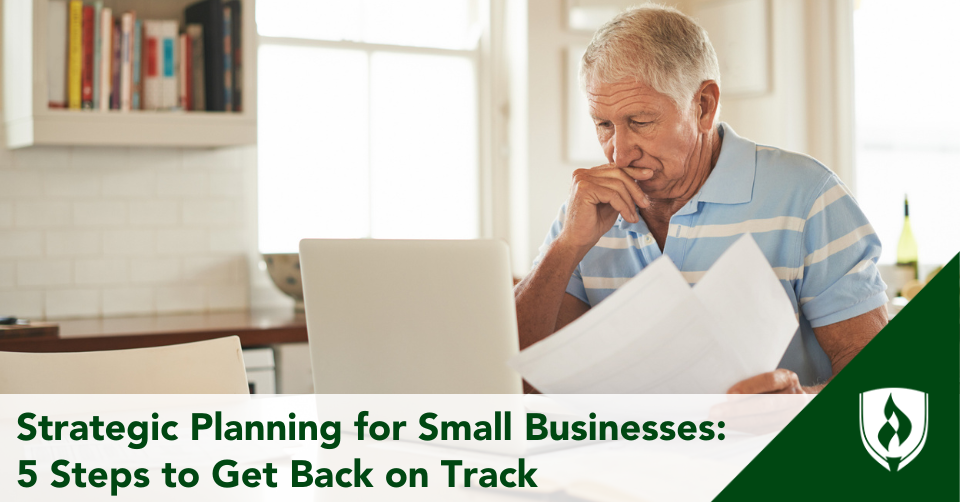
x,y
30,122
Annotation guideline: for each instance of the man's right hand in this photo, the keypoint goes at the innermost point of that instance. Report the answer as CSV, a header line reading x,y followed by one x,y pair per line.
x,y
597,196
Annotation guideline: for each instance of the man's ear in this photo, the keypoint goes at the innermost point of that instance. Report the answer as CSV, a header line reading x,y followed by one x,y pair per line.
x,y
708,99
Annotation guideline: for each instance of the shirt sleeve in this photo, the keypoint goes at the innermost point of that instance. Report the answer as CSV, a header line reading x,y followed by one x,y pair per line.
x,y
575,286
840,250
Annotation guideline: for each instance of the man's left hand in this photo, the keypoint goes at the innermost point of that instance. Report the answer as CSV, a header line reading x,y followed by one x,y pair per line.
x,y
781,381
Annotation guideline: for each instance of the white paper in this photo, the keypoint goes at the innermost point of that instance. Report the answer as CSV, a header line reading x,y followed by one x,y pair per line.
x,y
656,335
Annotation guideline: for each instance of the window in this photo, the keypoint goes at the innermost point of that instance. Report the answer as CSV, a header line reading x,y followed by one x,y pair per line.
x,y
908,140
367,117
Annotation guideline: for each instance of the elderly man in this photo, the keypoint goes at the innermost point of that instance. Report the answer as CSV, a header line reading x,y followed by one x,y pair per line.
x,y
680,184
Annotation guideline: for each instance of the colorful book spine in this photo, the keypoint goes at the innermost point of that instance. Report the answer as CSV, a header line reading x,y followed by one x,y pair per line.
x,y
126,60
86,69
169,91
198,94
115,68
97,42
152,58
137,66
227,62
184,76
57,28
75,68
106,57
236,40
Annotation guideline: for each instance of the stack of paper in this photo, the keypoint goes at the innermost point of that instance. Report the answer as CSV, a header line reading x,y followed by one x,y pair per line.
x,y
657,335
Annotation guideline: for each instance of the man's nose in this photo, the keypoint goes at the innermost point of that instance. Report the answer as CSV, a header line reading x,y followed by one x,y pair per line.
x,y
625,150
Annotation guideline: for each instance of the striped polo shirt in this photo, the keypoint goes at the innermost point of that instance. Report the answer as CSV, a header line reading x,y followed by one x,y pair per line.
x,y
805,220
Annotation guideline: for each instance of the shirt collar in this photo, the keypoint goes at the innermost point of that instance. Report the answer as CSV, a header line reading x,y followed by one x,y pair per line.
x,y
730,182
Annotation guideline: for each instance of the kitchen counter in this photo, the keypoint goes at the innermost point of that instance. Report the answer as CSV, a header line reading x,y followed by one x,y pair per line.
x,y
255,328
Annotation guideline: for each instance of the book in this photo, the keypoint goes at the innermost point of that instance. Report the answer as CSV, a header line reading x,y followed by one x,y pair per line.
x,y
126,60
183,77
195,31
209,13
227,61
86,67
137,66
75,64
97,42
106,57
236,43
57,27
151,76
115,67
169,90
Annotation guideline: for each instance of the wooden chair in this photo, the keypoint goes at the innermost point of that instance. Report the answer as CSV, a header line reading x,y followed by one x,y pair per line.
x,y
207,367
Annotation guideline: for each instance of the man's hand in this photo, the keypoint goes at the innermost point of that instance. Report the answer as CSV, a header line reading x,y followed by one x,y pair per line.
x,y
781,381
597,196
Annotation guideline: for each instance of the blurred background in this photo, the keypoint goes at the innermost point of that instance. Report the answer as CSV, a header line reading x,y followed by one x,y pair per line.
x,y
456,119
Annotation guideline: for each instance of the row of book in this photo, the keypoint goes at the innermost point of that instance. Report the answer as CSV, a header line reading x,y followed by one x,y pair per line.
x,y
101,60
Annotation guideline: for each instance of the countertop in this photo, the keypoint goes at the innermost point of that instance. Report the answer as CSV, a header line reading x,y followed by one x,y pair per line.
x,y
255,328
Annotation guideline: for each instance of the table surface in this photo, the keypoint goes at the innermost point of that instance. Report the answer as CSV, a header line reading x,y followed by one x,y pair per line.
x,y
255,328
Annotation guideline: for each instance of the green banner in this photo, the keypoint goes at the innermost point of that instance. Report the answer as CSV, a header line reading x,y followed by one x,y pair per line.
x,y
887,427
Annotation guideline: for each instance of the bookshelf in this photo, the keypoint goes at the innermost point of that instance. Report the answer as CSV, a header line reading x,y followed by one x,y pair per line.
x,y
29,122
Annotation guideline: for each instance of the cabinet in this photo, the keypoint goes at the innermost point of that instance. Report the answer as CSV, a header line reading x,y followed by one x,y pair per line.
x,y
30,122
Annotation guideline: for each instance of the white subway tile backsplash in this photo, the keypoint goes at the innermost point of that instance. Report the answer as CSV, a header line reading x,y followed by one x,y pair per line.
x,y
65,303
204,158
102,271
155,270
180,299
156,158
6,214
89,231
227,241
44,273
39,157
96,157
215,269
128,301
227,298
129,242
25,304
21,184
99,213
154,212
205,212
36,214
74,242
61,183
182,184
130,183
21,243
8,275
181,241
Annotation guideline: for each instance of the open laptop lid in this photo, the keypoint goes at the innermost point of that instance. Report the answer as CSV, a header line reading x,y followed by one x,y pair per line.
x,y
409,316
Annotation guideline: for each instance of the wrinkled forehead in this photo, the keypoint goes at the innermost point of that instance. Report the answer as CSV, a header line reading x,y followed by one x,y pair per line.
x,y
610,97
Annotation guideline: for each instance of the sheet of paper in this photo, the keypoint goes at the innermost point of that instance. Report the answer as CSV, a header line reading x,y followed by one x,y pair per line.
x,y
657,335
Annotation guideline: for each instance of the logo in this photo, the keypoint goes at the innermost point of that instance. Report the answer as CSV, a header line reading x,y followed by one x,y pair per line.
x,y
893,425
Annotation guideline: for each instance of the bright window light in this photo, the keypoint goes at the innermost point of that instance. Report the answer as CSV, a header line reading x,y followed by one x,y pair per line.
x,y
366,138
908,141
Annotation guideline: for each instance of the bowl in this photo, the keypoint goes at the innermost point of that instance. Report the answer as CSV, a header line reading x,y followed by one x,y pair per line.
x,y
284,270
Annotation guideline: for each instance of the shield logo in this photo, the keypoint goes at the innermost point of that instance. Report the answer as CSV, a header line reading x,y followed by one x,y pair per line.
x,y
893,425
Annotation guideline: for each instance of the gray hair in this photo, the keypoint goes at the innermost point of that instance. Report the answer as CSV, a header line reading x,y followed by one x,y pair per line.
x,y
655,45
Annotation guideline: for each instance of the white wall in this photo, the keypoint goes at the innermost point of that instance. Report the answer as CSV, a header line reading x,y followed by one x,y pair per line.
x,y
113,231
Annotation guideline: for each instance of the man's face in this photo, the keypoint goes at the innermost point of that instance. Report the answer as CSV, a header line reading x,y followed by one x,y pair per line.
x,y
639,127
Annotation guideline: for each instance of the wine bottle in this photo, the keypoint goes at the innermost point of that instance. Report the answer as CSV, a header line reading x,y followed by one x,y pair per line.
x,y
907,247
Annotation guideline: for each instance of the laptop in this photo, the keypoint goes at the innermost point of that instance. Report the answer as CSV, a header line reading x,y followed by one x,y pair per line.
x,y
410,316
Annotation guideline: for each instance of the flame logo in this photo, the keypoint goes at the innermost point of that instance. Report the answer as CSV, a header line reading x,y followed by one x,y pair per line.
x,y
887,432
